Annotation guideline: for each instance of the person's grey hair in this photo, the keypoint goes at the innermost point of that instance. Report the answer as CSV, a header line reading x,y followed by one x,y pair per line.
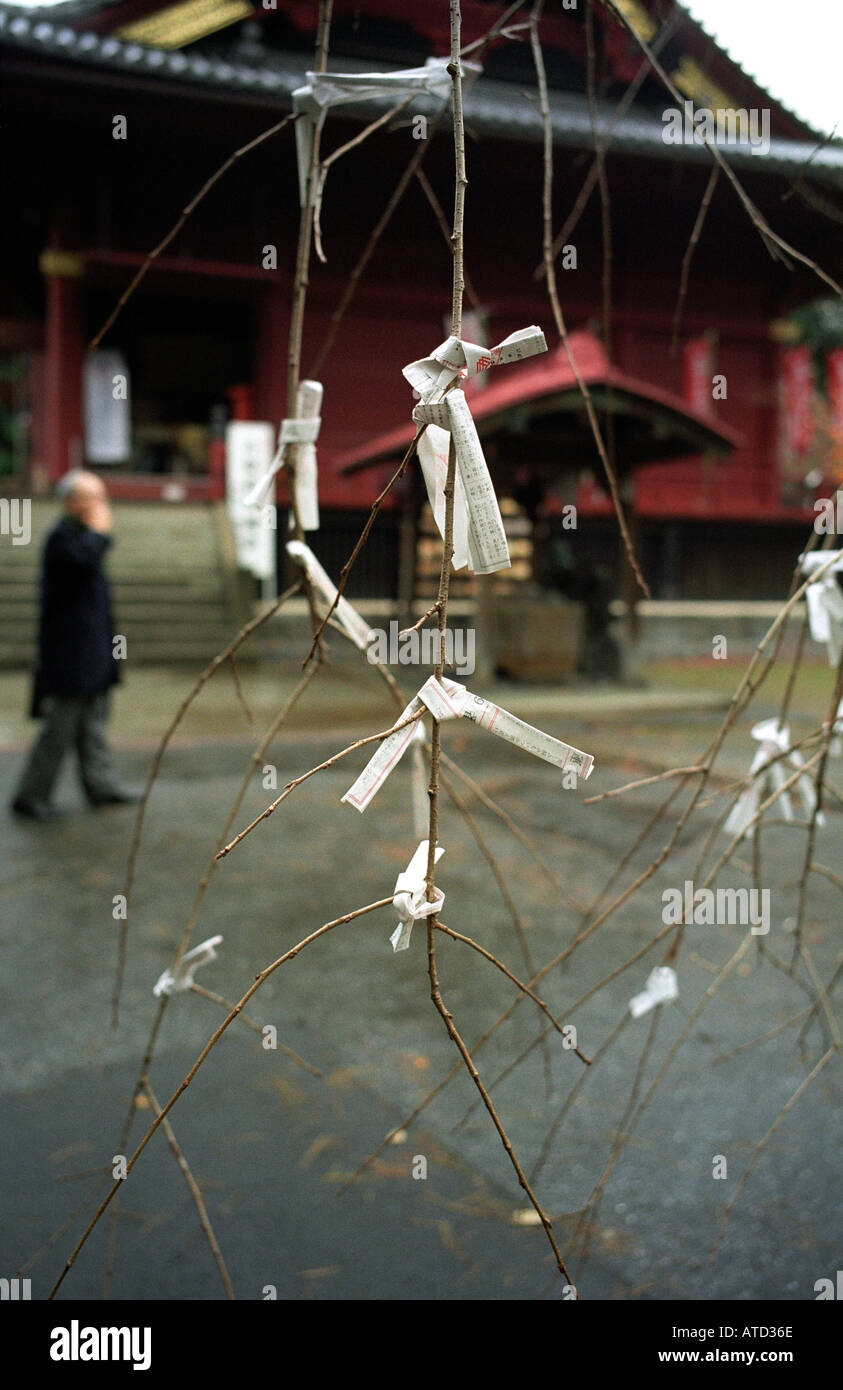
x,y
67,485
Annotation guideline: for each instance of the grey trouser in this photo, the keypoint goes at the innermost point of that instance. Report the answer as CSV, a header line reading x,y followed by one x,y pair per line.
x,y
76,721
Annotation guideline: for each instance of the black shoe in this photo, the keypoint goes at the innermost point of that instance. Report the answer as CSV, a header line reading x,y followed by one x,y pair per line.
x,y
37,810
121,796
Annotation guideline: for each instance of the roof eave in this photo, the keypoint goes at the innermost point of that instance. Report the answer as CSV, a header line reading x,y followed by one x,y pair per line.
x,y
492,108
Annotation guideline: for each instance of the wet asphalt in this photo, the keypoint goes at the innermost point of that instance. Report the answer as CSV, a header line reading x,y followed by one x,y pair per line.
x,y
270,1143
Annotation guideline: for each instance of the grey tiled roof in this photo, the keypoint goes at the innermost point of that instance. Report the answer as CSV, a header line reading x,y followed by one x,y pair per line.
x,y
493,108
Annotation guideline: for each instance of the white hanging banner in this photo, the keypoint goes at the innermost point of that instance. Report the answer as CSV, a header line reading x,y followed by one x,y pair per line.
x,y
773,740
447,699
410,898
248,450
107,410
825,600
348,618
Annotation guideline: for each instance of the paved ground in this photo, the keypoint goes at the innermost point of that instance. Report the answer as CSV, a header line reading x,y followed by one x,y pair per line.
x,y
270,1143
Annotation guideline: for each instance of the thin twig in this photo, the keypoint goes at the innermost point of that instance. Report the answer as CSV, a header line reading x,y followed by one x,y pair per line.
x,y
209,1046
137,833
193,1188
256,1028
361,541
337,154
689,253
320,767
756,1154
550,275
174,231
525,989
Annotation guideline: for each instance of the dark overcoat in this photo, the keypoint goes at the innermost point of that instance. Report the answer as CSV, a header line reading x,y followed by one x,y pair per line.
x,y
75,649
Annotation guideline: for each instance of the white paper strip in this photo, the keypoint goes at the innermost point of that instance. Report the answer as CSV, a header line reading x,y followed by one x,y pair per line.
x,y
457,360
410,898
356,627
487,547
505,725
447,699
326,89
170,983
301,429
825,600
661,987
773,740
433,449
383,760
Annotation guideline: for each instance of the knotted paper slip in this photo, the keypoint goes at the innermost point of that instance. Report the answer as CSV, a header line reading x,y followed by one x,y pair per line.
x,y
479,536
182,979
326,89
773,740
456,360
447,699
825,600
303,430
410,898
348,618
661,987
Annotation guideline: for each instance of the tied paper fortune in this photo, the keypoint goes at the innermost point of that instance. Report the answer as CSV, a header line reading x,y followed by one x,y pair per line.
x,y
773,740
302,430
479,535
410,897
176,982
457,360
825,600
447,699
348,618
327,89
661,987
477,516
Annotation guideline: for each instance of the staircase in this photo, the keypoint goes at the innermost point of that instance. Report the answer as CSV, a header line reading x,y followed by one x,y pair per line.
x,y
173,583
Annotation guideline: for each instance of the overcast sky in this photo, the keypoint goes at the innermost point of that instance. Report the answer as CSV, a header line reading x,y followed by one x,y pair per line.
x,y
793,48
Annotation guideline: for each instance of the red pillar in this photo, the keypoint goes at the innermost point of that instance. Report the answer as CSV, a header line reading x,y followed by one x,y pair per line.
x,y
63,358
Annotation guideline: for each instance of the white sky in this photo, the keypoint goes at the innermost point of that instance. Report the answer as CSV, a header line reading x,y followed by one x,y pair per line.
x,y
793,48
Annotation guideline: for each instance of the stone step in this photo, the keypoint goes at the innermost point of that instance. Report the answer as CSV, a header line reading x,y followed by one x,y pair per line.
x,y
173,590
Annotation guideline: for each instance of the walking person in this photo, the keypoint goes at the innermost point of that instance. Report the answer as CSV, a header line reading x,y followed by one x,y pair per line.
x,y
76,666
